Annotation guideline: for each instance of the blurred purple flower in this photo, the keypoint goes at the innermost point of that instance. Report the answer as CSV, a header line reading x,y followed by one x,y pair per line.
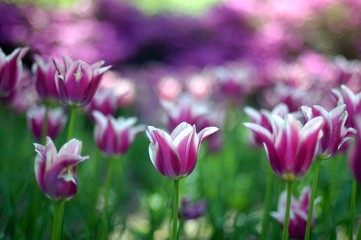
x,y
175,155
262,118
55,124
44,74
78,81
11,68
189,210
291,147
56,171
114,136
298,213
103,101
344,95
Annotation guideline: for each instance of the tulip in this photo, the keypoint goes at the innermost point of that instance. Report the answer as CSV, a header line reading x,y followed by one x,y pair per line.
x,y
298,213
175,155
290,146
114,136
56,171
262,118
335,134
186,109
55,122
78,81
11,69
104,101
352,101
44,74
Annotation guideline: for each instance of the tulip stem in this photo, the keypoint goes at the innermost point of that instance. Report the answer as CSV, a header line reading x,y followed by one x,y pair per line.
x,y
353,205
288,207
267,203
106,198
71,123
175,209
58,220
312,198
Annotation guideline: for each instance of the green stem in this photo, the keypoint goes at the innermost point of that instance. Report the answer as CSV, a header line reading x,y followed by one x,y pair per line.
x,y
58,220
106,198
353,205
267,203
71,123
175,209
312,198
288,208
45,124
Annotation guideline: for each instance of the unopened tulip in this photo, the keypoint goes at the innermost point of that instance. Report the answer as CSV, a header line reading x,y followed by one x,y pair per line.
x,y
78,81
114,136
56,172
175,155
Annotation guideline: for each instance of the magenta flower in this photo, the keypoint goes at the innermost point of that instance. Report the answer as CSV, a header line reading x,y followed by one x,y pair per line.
x,y
56,171
335,134
189,210
104,101
44,74
290,147
262,118
114,136
78,81
352,101
298,213
11,68
175,155
185,109
56,121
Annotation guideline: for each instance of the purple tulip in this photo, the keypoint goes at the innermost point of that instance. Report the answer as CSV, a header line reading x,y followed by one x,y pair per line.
x,y
104,101
78,81
352,101
11,68
290,147
44,74
335,134
114,136
175,155
298,213
56,121
262,118
56,171
189,210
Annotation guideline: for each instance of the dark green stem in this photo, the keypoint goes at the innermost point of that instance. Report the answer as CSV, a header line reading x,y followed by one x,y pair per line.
x,y
71,123
288,208
267,203
312,198
175,209
353,205
58,220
